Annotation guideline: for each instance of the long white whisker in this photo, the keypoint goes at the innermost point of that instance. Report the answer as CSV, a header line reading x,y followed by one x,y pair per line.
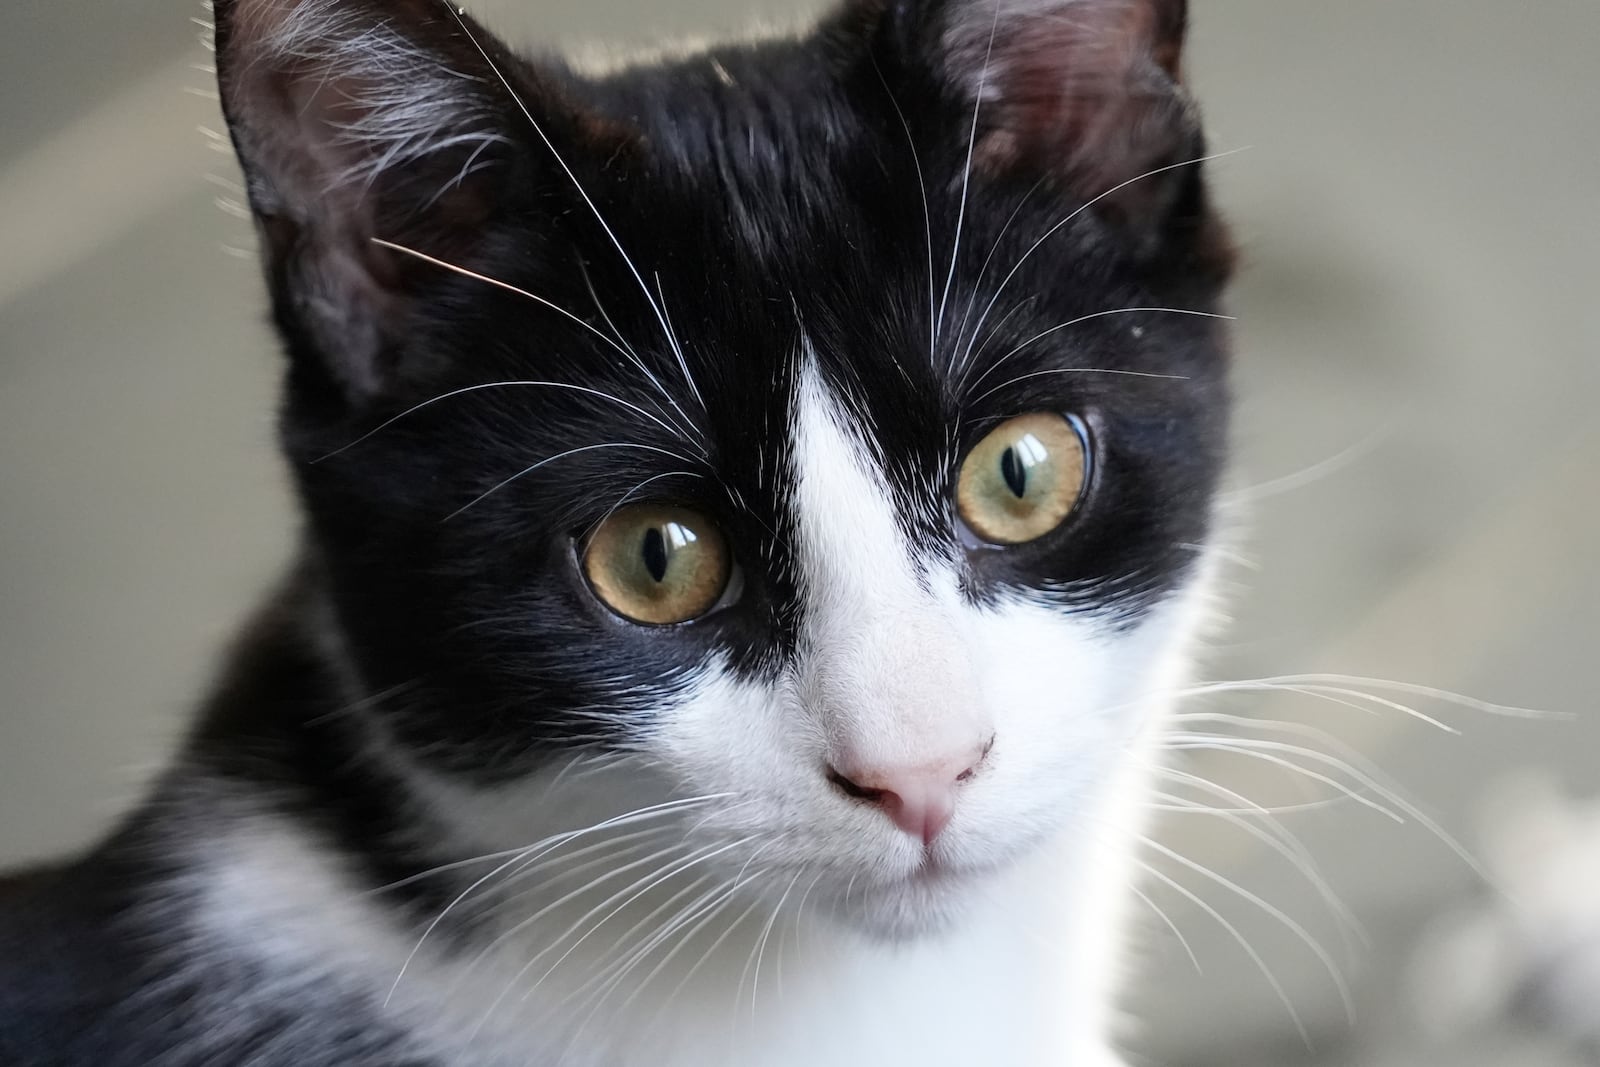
x,y
966,174
652,874
1051,232
983,272
1077,370
563,455
633,893
1254,748
1414,689
1167,919
504,285
1243,942
1082,319
1333,695
553,841
1292,851
701,916
513,383
677,349
761,944
610,979
516,98
927,213
607,861
1306,476
720,939
1275,912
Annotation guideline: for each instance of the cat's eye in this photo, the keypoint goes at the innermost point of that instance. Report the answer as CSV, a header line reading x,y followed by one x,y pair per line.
x,y
658,565
1024,479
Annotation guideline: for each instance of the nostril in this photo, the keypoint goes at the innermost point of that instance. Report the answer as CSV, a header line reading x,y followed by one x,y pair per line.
x,y
851,789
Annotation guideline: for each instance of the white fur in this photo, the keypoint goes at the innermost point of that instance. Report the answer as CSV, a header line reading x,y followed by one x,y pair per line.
x,y
384,102
828,949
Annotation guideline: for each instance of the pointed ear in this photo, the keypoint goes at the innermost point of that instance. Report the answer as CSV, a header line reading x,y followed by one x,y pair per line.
x,y
1088,90
355,120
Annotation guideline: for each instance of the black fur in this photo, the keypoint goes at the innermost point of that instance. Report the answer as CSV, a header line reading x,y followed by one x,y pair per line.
x,y
767,195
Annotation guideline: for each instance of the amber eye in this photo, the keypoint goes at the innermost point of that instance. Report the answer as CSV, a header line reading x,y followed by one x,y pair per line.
x,y
658,565
1024,479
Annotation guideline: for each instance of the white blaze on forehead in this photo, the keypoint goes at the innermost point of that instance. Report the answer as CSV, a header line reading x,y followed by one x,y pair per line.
x,y
883,663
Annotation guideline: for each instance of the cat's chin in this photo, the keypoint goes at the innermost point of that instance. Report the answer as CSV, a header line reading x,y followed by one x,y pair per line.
x,y
922,905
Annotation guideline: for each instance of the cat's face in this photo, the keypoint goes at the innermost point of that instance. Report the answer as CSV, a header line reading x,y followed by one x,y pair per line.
x,y
776,416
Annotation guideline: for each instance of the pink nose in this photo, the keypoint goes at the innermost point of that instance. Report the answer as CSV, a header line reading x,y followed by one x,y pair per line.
x,y
919,800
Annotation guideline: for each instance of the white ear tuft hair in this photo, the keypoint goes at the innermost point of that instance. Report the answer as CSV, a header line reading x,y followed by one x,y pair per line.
x,y
326,95
355,121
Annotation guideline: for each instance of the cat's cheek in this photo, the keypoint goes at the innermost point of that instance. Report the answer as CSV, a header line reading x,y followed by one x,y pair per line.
x,y
1076,700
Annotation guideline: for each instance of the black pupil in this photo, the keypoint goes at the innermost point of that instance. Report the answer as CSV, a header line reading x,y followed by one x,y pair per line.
x,y
1015,474
655,553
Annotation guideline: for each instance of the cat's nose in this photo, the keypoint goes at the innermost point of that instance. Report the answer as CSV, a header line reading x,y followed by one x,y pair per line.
x,y
919,800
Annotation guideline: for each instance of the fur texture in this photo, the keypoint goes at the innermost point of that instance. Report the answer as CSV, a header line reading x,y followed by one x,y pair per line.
x,y
446,806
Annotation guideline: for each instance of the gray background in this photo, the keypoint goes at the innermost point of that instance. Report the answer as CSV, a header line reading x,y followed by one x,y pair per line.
x,y
1419,319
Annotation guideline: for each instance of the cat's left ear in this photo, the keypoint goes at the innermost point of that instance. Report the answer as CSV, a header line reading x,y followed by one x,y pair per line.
x,y
1088,91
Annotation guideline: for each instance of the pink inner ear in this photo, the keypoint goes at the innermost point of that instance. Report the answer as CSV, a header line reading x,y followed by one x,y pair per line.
x,y
1087,89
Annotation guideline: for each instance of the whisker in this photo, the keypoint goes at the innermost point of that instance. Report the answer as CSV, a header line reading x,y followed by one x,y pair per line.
x,y
702,915
927,213
649,877
1167,920
720,939
516,98
605,316
607,861
684,863
1088,318
966,173
1442,695
1292,851
513,383
563,455
1076,370
611,977
672,337
1053,230
983,272
1308,475
653,877
498,284
1243,942
761,944
1254,748
798,918
555,840
1275,912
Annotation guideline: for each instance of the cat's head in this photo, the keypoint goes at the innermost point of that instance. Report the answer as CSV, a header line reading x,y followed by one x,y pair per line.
x,y
831,423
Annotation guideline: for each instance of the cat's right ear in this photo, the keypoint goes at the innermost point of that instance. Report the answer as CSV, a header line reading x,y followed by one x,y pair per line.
x,y
359,121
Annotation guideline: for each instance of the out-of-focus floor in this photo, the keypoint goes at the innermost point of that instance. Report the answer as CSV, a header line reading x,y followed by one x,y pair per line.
x,y
1419,363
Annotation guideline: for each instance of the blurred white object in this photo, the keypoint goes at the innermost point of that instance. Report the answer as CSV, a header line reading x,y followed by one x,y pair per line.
x,y
1530,951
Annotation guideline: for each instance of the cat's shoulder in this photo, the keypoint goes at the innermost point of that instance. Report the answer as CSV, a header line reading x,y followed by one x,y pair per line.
x,y
99,968
68,968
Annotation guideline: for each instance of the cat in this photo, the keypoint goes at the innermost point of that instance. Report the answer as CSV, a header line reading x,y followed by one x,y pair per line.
x,y
757,507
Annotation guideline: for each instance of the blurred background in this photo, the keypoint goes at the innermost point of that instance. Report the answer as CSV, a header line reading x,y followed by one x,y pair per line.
x,y
1418,486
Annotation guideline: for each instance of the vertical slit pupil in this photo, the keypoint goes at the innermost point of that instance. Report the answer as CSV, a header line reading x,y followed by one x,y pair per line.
x,y
655,553
1015,474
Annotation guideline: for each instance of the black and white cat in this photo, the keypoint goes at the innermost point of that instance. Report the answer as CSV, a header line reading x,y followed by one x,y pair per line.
x,y
756,507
